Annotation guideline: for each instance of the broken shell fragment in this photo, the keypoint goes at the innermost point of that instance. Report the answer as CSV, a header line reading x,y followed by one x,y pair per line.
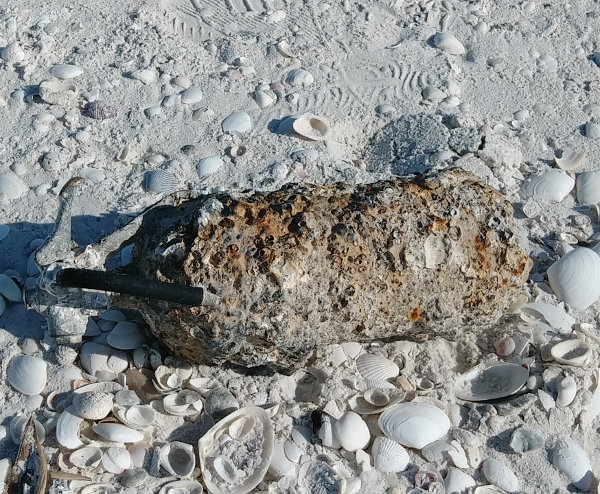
x,y
388,455
573,352
116,460
570,160
571,460
526,439
311,127
178,458
27,374
126,335
491,381
18,425
67,429
29,471
575,278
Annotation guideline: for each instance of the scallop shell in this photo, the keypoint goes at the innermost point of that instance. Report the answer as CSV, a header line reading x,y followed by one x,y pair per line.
x,y
448,43
126,335
66,71
178,459
67,429
376,367
209,450
351,431
117,432
27,374
389,456
191,96
238,123
11,186
570,160
575,278
588,187
208,165
570,459
312,127
159,182
552,186
573,352
414,424
491,381
500,475
9,289
87,457
182,487
299,78
92,405
116,460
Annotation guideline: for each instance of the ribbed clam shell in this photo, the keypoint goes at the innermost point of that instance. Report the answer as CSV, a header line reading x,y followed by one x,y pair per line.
x,y
351,431
491,381
388,455
27,374
126,335
160,182
116,460
9,289
376,367
100,110
551,186
312,127
92,405
573,352
178,458
570,459
117,432
87,457
588,187
414,424
575,278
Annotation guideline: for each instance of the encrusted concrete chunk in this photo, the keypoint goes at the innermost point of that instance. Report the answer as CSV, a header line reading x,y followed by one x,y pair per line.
x,y
313,265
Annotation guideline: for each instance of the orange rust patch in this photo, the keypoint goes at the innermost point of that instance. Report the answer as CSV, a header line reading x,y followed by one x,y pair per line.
x,y
415,315
481,247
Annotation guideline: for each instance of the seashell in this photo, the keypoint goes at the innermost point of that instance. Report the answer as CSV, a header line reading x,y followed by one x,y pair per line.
x,y
299,78
178,458
4,230
116,460
376,367
118,362
17,428
9,289
159,182
588,187
220,402
571,460
592,129
117,432
432,93
414,424
237,124
389,456
352,349
12,53
209,450
209,165
92,405
567,389
94,357
185,402
263,99
500,475
526,439
103,488
66,71
241,427
134,477
191,96
574,352
280,465
100,110
147,76
448,43
575,278
551,186
488,489
67,429
137,416
312,127
351,431
554,316
27,374
126,335
546,399
376,397
570,160
323,426
11,186
491,381
87,457
182,487
292,451
457,481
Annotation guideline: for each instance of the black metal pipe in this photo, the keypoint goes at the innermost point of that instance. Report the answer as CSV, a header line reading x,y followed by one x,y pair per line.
x,y
131,285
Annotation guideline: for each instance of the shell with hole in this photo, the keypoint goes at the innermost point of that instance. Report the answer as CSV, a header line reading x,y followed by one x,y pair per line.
x,y
311,127
178,459
388,455
491,381
575,278
238,467
27,374
87,457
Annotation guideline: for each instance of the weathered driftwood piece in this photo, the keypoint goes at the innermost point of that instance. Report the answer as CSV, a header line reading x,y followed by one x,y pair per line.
x,y
315,265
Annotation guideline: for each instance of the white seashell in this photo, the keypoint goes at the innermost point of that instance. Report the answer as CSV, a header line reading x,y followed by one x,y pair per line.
x,y
437,452
263,99
352,349
209,165
12,53
104,488
376,397
505,346
488,489
574,352
299,77
92,405
191,96
117,432
326,434
351,431
546,399
17,427
226,469
178,458
137,416
592,130
588,187
209,450
113,315
237,124
526,439
67,429
414,424
126,335
11,186
312,127
571,460
185,402
116,460
551,186
376,367
280,465
275,16
500,475
27,374
491,381
9,289
292,451
554,316
570,160
94,357
242,427
147,76
389,456
66,71
182,487
567,389
575,278
457,482
4,230
87,457
159,182
448,43
118,362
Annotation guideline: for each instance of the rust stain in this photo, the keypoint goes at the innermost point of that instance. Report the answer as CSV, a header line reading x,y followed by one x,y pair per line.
x,y
415,314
